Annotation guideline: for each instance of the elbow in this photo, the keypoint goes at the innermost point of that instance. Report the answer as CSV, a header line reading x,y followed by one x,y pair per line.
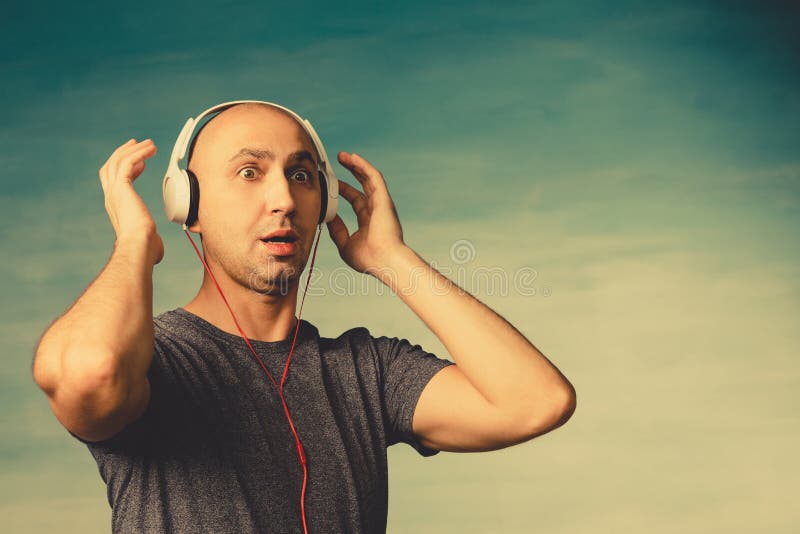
x,y
88,380
93,406
47,369
553,412
567,405
89,392
100,386
45,366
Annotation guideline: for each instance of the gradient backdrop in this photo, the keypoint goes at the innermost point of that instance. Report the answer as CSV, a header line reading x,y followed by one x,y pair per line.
x,y
637,162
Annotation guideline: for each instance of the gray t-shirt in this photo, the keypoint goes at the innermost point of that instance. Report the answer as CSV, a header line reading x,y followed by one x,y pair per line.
x,y
214,453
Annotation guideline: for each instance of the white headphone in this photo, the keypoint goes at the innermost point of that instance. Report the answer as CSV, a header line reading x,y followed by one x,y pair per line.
x,y
182,192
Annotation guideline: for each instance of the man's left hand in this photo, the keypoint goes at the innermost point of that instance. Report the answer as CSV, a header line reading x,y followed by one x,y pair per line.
x,y
370,248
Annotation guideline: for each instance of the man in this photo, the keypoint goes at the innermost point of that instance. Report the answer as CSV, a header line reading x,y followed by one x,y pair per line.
x,y
188,432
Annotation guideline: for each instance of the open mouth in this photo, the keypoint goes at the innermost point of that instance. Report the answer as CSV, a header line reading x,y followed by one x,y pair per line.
x,y
279,239
281,245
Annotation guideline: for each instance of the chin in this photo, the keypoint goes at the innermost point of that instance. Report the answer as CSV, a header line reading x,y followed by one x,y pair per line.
x,y
272,279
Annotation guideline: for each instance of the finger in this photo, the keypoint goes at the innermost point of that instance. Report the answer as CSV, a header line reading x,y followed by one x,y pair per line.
x,y
130,142
112,165
129,151
338,232
353,195
377,180
121,150
131,165
357,200
349,162
104,169
137,157
374,181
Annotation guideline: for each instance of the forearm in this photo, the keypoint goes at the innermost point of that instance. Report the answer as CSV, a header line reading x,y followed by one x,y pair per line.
x,y
106,336
499,361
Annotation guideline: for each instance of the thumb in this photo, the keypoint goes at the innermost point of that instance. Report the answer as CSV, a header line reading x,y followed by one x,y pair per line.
x,y
338,232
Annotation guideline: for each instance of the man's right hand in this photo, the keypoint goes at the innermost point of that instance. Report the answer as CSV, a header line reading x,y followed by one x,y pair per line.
x,y
92,362
132,221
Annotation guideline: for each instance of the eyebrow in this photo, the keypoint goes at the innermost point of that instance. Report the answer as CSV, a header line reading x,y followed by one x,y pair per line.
x,y
300,155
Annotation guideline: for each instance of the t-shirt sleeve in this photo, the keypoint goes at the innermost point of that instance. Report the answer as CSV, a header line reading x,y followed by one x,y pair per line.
x,y
407,369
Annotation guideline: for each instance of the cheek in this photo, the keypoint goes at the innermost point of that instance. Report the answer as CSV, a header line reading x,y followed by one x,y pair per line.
x,y
310,201
227,210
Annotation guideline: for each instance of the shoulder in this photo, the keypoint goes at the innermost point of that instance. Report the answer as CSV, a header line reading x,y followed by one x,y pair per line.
x,y
179,331
359,339
357,335
175,323
384,349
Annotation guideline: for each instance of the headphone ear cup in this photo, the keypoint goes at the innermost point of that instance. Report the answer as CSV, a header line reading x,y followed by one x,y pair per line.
x,y
194,198
323,196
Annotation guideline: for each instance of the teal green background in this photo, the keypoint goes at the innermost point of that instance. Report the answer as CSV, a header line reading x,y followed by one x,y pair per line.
x,y
641,158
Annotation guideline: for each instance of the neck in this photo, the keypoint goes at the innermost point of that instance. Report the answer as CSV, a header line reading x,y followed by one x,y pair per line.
x,y
262,317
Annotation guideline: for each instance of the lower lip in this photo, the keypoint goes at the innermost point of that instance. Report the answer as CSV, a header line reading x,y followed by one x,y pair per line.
x,y
280,249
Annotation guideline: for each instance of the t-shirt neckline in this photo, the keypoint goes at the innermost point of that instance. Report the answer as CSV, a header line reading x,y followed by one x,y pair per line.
x,y
283,345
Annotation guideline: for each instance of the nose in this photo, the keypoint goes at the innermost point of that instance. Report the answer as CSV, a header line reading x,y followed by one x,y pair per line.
x,y
278,196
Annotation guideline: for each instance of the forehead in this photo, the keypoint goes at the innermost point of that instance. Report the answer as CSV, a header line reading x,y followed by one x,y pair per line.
x,y
257,127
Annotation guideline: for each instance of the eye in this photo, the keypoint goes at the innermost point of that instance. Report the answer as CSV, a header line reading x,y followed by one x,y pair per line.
x,y
251,173
305,176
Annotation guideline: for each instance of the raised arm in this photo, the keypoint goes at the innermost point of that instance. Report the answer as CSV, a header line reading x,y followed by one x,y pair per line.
x,y
92,361
502,390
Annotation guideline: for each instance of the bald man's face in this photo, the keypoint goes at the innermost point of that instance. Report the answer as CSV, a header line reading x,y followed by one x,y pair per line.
x,y
257,173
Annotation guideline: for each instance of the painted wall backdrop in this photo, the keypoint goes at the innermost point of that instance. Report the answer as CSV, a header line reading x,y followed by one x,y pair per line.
x,y
629,169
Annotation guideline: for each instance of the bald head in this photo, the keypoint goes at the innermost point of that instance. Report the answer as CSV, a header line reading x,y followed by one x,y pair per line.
x,y
215,126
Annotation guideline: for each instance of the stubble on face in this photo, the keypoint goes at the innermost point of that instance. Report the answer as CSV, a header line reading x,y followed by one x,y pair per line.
x,y
276,276
251,266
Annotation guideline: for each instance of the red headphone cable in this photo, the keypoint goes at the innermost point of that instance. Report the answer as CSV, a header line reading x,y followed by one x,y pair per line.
x,y
300,451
